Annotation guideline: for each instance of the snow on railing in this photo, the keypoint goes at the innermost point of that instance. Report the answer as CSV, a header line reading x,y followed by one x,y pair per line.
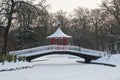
x,y
49,48
101,53
45,48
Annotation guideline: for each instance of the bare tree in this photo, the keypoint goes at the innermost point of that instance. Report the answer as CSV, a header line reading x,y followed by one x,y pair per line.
x,y
113,8
95,20
81,24
7,12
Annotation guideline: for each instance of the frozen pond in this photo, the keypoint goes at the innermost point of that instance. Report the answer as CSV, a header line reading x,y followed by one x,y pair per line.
x,y
63,68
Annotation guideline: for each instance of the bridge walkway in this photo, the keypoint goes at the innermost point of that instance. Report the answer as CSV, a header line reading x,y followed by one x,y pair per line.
x,y
33,53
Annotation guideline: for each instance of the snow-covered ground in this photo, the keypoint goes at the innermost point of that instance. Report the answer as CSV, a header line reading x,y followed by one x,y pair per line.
x,y
63,67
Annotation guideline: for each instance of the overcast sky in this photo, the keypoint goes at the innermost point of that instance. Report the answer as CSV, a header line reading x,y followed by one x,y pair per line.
x,y
69,5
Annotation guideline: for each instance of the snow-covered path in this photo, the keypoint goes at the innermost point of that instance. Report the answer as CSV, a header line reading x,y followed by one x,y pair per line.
x,y
63,68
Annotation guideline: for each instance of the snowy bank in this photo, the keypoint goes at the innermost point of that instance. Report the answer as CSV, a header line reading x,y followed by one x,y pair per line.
x,y
8,66
65,68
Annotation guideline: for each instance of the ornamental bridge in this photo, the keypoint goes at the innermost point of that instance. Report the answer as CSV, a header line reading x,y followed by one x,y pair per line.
x,y
36,52
59,45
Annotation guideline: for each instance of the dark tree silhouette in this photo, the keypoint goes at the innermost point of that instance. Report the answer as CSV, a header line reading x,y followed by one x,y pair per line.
x,y
7,13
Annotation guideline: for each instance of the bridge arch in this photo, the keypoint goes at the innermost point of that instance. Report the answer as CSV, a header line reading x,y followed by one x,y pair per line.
x,y
87,58
36,52
58,47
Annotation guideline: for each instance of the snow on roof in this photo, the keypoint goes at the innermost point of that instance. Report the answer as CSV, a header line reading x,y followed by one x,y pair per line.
x,y
59,34
17,0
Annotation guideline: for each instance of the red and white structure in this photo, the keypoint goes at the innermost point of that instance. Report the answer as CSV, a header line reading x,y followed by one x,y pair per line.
x,y
59,38
59,45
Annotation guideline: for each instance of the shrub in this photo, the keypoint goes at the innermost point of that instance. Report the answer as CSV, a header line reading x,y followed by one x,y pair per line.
x,y
11,58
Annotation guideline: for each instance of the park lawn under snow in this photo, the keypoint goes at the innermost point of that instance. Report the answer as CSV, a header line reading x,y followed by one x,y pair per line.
x,y
63,67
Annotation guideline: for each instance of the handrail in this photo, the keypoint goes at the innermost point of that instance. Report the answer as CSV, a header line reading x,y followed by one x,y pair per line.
x,y
43,49
48,47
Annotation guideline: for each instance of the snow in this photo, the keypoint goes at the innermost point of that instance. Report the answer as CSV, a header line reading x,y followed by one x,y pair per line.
x,y
13,65
111,59
18,0
59,34
64,67
57,48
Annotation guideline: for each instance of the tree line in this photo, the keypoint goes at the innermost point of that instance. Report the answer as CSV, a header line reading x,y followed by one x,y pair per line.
x,y
27,25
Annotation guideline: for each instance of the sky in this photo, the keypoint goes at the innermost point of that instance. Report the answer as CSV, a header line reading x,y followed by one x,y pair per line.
x,y
69,5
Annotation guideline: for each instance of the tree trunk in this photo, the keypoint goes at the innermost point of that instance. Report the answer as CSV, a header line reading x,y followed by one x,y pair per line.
x,y
5,42
96,37
4,50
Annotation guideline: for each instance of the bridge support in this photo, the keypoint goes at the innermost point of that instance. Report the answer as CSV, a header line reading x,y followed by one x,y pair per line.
x,y
28,60
87,60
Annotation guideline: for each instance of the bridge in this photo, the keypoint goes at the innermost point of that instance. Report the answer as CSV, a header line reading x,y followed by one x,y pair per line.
x,y
33,53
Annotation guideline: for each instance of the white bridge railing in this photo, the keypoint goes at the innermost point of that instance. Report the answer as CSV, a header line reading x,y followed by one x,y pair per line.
x,y
46,48
50,48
